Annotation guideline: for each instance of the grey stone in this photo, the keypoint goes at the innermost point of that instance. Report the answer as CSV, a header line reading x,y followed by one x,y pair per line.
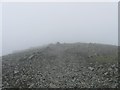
x,y
30,57
16,71
91,68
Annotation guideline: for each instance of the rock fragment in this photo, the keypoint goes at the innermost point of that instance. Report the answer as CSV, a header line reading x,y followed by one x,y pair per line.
x,y
30,57
16,71
91,68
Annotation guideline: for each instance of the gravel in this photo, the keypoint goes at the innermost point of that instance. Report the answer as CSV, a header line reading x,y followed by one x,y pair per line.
x,y
45,68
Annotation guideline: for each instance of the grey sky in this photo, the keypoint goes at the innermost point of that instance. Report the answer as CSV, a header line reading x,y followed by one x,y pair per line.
x,y
27,25
0,29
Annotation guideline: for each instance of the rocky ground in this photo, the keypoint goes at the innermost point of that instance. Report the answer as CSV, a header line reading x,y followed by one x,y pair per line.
x,y
77,65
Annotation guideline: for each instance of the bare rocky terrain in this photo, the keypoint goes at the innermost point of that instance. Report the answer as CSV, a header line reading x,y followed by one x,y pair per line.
x,y
77,65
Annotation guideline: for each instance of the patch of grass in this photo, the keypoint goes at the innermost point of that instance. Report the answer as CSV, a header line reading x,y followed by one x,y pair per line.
x,y
106,59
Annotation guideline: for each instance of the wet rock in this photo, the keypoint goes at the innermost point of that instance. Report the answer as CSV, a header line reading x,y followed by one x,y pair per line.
x,y
16,71
31,85
106,73
30,57
91,68
116,69
52,85
110,69
73,79
113,66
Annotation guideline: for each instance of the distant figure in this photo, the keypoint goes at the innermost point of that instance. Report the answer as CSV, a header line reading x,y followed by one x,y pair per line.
x,y
58,43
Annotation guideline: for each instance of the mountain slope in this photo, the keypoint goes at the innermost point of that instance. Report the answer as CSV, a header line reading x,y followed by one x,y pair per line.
x,y
77,65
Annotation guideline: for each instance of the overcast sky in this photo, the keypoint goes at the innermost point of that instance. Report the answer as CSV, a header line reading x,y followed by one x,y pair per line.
x,y
28,25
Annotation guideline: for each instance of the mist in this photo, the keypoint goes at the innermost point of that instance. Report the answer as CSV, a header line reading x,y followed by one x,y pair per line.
x,y
27,25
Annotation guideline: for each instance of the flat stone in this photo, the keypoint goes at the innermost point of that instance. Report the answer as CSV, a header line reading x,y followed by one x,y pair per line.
x,y
109,69
31,85
106,73
53,85
16,71
91,68
30,57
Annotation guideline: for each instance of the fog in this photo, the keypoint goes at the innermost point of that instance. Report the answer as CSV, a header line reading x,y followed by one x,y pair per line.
x,y
0,30
27,25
